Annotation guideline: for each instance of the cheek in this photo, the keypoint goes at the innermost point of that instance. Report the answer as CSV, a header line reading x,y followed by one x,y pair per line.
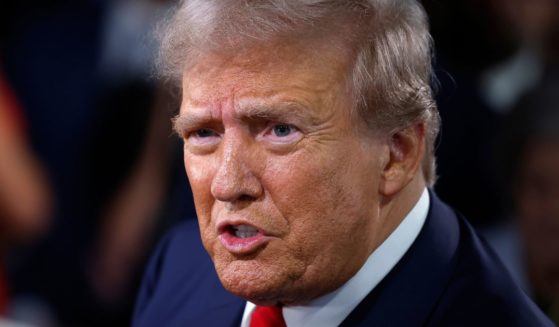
x,y
198,169
200,172
297,184
323,197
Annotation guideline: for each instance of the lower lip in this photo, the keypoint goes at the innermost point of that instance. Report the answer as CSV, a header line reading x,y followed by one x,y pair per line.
x,y
237,245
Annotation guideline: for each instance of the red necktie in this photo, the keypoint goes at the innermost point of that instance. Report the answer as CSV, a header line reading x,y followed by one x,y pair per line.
x,y
267,317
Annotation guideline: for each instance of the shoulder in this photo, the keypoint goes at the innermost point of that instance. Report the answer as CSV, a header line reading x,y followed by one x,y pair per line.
x,y
481,291
448,277
180,284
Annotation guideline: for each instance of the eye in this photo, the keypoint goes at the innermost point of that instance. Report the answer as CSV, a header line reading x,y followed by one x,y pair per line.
x,y
283,130
280,134
204,132
202,139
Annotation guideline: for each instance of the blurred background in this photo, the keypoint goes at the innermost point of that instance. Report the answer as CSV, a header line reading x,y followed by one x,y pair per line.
x,y
91,175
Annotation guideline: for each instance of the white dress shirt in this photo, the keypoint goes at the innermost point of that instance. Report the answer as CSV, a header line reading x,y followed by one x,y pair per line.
x,y
331,309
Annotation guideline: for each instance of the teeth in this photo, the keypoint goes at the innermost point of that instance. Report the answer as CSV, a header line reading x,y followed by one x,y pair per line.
x,y
244,231
244,234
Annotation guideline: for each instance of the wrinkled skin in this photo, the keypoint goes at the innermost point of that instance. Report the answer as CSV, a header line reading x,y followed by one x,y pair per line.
x,y
269,142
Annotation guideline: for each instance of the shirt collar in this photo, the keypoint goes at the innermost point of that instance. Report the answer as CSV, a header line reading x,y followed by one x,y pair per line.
x,y
331,309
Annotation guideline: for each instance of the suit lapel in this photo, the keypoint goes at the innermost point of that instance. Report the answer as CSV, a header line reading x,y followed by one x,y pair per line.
x,y
216,306
227,311
189,291
406,296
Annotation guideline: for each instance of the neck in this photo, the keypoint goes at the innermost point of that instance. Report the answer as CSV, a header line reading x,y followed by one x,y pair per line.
x,y
395,208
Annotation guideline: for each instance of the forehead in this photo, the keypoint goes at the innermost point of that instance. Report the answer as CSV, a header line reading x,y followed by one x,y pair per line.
x,y
310,70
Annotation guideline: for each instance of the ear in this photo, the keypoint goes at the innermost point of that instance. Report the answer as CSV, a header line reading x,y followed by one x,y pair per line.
x,y
406,151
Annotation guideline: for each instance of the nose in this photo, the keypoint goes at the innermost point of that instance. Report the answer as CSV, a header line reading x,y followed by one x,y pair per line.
x,y
235,179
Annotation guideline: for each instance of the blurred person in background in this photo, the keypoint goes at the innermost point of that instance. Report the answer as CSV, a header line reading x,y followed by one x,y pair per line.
x,y
50,57
25,199
528,243
81,71
489,54
498,52
140,203
24,190
532,27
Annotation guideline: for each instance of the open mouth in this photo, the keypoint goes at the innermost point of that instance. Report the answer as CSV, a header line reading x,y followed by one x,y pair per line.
x,y
243,231
242,238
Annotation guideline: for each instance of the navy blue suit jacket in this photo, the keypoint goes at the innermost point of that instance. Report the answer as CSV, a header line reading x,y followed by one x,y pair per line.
x,y
447,278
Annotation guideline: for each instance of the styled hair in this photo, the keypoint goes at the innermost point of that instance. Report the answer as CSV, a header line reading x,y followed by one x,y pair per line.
x,y
390,73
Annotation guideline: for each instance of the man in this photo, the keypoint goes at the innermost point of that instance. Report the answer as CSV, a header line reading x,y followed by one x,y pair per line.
x,y
528,242
308,132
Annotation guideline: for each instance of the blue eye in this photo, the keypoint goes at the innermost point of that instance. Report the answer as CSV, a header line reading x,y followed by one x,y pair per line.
x,y
204,132
282,130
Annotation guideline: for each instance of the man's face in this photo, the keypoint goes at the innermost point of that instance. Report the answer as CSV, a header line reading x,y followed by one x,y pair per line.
x,y
285,186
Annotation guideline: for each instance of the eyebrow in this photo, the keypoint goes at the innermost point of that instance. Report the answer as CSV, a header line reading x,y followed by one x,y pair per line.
x,y
287,112
182,123
281,112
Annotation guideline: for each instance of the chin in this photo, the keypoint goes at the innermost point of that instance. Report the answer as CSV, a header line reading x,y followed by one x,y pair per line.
x,y
256,282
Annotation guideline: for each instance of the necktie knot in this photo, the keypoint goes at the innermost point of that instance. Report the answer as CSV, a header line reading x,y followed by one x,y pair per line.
x,y
270,316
